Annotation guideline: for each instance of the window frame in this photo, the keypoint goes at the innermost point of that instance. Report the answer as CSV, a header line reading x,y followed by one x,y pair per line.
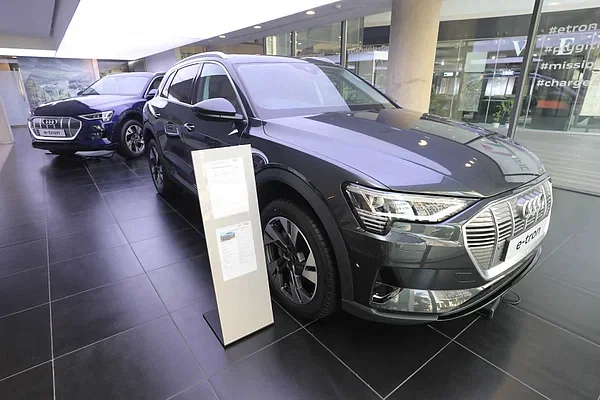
x,y
192,91
165,85
233,85
147,91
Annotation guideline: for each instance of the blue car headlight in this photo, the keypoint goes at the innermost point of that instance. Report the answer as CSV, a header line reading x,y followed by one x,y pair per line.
x,y
104,116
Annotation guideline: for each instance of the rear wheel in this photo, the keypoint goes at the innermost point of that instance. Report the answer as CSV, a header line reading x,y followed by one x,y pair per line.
x,y
300,264
162,182
131,141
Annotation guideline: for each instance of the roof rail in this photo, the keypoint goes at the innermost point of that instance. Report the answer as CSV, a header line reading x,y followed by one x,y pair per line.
x,y
219,54
322,59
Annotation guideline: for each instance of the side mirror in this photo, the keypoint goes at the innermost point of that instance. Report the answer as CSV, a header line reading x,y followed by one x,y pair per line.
x,y
80,93
151,94
218,108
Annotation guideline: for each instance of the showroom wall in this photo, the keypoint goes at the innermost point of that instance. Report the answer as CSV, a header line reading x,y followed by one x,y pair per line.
x,y
161,62
12,92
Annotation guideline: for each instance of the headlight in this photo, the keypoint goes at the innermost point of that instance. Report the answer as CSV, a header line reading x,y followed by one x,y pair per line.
x,y
376,209
105,116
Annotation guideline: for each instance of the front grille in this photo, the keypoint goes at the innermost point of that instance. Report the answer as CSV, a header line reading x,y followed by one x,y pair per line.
x,y
488,233
70,126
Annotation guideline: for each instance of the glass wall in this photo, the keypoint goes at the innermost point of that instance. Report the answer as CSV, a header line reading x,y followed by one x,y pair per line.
x,y
106,67
324,41
279,45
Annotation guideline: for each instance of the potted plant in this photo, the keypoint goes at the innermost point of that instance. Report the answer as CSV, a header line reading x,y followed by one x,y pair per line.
x,y
502,112
506,109
497,116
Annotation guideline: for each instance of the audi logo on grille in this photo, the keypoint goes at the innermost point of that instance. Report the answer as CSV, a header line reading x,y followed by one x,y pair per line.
x,y
50,121
531,206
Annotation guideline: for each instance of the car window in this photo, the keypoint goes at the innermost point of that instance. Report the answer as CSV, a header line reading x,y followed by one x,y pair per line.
x,y
165,89
214,83
181,86
121,84
155,84
299,88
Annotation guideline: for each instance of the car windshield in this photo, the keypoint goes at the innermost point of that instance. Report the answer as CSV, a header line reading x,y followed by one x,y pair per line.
x,y
299,88
118,85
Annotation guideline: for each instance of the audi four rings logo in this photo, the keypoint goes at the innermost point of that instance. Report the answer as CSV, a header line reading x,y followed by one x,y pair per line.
x,y
50,121
532,206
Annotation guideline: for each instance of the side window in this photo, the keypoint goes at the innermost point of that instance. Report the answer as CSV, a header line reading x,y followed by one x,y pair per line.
x,y
155,84
215,83
181,86
165,90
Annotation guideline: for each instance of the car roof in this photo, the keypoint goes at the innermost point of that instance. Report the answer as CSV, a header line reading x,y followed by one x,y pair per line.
x,y
250,58
145,74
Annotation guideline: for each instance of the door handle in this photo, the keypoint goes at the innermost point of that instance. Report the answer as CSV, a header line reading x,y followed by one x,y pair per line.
x,y
189,127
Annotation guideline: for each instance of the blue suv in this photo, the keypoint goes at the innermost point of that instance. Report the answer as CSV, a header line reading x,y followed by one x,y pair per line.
x,y
105,116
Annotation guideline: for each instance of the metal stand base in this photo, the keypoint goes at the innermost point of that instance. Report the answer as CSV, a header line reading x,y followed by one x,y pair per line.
x,y
488,311
212,319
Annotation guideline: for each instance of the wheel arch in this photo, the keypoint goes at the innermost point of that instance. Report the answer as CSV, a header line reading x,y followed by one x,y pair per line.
x,y
273,182
125,116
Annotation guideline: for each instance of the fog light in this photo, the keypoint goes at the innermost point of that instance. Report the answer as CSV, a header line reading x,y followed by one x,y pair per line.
x,y
386,297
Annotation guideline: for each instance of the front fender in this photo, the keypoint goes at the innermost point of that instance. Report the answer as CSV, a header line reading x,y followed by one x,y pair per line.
x,y
296,181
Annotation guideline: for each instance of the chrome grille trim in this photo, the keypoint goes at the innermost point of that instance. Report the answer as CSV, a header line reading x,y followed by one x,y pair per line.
x,y
71,126
486,235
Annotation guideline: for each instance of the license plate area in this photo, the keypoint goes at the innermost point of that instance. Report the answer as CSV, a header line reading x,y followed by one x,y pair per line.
x,y
521,246
52,132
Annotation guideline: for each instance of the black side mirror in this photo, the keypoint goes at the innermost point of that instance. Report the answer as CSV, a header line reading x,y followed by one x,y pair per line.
x,y
151,94
80,93
218,108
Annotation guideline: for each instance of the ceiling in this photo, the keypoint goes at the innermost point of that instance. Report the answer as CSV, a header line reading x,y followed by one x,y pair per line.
x,y
27,18
131,29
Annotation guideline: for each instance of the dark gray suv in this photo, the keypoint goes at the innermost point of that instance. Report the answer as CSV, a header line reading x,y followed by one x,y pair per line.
x,y
391,214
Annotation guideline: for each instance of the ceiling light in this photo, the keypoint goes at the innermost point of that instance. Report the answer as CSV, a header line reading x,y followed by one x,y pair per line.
x,y
310,12
257,26
222,36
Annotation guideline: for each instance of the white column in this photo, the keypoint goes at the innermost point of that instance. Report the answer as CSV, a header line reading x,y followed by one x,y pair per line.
x,y
6,136
413,40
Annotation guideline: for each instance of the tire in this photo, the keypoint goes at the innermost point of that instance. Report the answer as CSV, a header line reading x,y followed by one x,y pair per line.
x,y
131,140
162,182
63,153
299,295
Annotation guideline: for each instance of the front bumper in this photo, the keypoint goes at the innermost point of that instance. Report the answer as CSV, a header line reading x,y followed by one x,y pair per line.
x,y
92,136
482,296
424,272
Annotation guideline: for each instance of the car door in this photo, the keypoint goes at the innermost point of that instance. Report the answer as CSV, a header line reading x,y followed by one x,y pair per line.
x,y
202,133
173,115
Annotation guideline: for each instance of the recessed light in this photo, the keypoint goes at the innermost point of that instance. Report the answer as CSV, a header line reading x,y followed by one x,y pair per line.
x,y
310,12
257,26
222,36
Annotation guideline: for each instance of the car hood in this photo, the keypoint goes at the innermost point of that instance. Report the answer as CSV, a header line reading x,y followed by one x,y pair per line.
x,y
82,105
415,152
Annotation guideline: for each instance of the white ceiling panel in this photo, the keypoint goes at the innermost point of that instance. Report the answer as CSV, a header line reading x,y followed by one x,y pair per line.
x,y
140,28
31,18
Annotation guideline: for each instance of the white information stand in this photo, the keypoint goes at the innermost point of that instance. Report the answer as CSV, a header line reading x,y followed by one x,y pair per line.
x,y
231,217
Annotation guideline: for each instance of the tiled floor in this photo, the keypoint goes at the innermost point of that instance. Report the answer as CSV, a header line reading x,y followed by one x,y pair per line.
x,y
103,286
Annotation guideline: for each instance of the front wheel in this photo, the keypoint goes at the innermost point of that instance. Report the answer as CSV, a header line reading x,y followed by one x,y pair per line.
x,y
162,182
131,140
300,263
